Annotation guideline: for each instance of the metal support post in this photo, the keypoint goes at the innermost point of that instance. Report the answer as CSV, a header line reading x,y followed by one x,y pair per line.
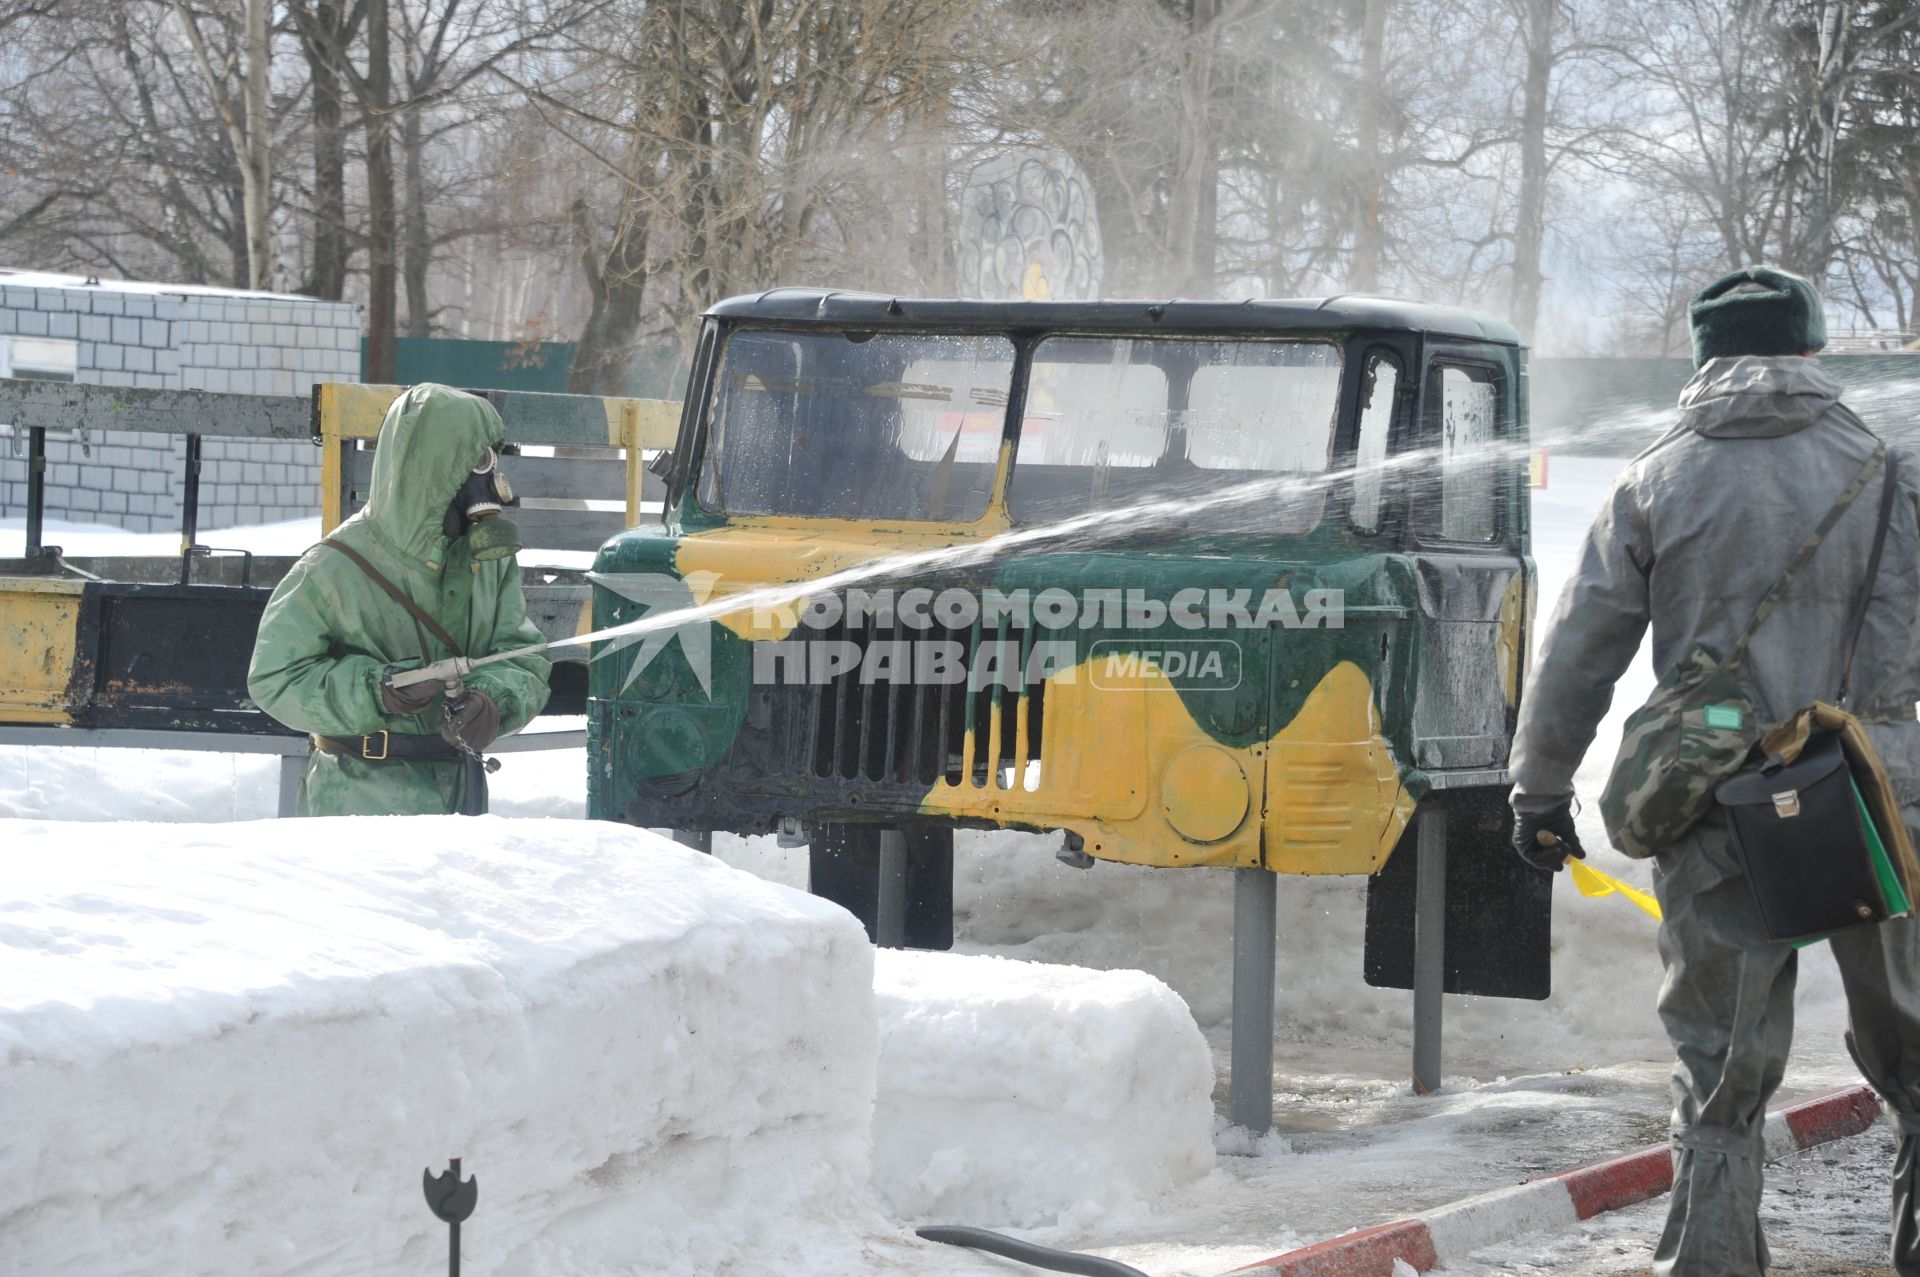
x,y
292,768
890,921
1429,947
1250,1103
36,488
189,507
698,839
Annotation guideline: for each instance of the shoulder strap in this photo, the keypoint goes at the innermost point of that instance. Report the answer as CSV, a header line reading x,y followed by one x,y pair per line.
x,y
1827,524
398,595
1859,619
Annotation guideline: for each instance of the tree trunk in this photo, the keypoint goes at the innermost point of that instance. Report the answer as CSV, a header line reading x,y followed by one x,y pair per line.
x,y
241,275
1368,241
1530,216
1193,206
382,227
248,128
1815,248
604,355
419,252
325,49
257,164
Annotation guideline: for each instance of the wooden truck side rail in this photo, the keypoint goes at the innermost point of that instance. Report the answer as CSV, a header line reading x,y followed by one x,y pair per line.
x,y
577,428
80,410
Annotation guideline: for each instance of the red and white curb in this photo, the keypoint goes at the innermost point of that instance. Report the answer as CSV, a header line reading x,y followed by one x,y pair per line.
x,y
1557,1202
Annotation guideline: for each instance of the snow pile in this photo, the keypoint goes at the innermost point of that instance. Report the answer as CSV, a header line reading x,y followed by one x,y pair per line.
x,y
1017,1094
233,1048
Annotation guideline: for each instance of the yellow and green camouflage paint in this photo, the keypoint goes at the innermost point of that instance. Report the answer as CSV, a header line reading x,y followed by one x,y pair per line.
x,y
1311,762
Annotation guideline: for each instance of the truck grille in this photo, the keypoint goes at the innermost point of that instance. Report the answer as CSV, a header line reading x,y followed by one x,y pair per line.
x,y
914,731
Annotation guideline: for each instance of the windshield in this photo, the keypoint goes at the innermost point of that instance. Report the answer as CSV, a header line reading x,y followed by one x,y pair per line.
x,y
1228,434
857,425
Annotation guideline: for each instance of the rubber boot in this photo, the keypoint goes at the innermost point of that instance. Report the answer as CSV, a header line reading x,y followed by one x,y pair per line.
x,y
1906,1207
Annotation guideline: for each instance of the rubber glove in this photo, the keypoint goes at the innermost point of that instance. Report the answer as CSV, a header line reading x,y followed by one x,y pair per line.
x,y
1544,839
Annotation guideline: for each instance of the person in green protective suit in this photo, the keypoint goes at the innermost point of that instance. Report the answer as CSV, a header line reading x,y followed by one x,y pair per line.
x,y
332,633
1695,533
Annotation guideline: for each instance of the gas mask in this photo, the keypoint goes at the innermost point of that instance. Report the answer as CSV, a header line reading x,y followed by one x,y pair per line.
x,y
475,512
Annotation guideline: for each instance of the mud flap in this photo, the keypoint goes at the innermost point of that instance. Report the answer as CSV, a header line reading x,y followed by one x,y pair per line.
x,y
843,865
1499,911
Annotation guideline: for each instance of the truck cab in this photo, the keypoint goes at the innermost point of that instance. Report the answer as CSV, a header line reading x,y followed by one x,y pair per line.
x,y
1192,583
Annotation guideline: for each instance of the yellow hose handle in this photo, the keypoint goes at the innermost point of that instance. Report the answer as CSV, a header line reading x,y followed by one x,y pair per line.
x,y
1594,884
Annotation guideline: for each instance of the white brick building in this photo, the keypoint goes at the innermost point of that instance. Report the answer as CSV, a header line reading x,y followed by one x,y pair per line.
x,y
119,333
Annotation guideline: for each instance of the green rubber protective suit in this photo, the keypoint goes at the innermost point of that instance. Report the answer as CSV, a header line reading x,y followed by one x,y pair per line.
x,y
1689,541
329,633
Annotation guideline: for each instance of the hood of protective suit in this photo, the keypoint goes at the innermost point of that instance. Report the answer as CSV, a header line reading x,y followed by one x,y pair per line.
x,y
431,440
1756,396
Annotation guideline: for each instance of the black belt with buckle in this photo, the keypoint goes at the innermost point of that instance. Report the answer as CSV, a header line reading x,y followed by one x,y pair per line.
x,y
380,747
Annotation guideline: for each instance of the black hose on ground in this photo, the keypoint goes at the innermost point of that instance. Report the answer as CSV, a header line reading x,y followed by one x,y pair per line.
x,y
1060,1261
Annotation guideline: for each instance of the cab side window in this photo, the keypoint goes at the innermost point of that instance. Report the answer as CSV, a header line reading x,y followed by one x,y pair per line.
x,y
1377,394
1461,500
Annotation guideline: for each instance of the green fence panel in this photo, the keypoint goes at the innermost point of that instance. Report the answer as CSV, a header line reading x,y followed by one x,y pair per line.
x,y
479,365
655,373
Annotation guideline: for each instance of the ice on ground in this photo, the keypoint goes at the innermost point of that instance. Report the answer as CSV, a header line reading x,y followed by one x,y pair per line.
x,y
1824,1214
233,1048
1021,1094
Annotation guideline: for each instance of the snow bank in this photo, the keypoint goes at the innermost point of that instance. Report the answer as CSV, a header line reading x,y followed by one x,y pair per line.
x,y
1019,1094
233,1048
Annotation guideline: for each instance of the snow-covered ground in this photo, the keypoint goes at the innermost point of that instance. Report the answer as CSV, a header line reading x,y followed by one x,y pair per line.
x,y
232,1049
1530,1087
225,1048
80,540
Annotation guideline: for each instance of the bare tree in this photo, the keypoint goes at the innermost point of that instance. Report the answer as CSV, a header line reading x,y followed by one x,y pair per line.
x,y
1830,49
118,155
730,140
1881,187
1369,166
327,30
1707,82
236,72
1658,255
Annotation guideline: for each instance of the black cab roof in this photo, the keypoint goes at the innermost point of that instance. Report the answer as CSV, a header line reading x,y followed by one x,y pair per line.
x,y
836,308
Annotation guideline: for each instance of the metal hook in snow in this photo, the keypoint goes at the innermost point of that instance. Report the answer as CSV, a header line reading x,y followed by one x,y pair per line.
x,y
452,1201
1059,1261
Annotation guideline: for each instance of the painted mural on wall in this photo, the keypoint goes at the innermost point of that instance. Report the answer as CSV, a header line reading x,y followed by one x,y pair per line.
x,y
1029,229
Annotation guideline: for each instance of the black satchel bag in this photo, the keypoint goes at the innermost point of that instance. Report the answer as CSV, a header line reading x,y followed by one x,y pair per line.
x,y
1801,833
1812,856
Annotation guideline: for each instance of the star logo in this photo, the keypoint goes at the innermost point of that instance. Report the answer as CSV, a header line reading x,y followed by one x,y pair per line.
x,y
662,596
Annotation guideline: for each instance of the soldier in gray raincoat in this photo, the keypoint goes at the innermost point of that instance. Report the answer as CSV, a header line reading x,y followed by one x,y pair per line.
x,y
1696,530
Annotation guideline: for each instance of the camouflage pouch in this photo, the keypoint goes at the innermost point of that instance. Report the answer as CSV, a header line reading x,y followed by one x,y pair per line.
x,y
1694,731
1698,727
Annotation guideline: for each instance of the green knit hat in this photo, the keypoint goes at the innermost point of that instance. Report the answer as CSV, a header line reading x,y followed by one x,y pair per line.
x,y
1756,311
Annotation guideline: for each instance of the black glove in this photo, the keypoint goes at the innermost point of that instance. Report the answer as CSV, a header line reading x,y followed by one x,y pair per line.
x,y
1544,839
471,723
410,699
